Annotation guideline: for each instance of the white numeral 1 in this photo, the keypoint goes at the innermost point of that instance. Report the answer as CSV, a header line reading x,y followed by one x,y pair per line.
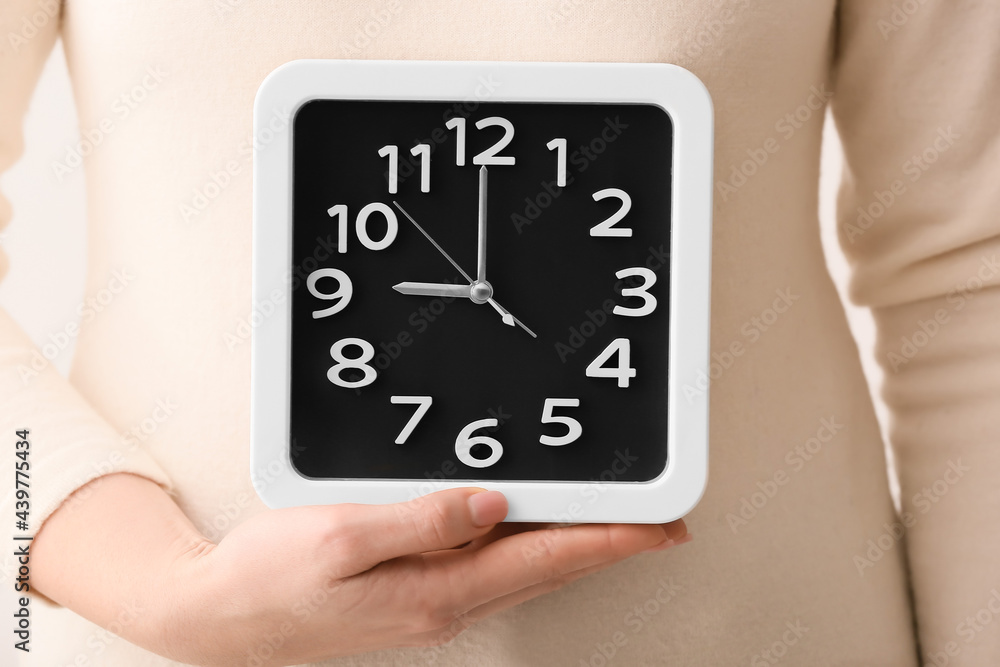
x,y
424,151
423,404
623,371
393,153
458,124
575,428
559,146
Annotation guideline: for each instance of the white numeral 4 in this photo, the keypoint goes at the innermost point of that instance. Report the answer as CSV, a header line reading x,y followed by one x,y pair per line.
x,y
623,371
466,441
575,427
423,404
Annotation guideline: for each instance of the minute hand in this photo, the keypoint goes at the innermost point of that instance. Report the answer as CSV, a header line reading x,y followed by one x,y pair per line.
x,y
481,263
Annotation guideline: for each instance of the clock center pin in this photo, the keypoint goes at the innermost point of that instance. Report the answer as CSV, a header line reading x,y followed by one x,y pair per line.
x,y
480,292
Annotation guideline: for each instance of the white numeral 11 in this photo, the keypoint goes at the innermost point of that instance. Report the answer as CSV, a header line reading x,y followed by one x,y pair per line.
x,y
420,150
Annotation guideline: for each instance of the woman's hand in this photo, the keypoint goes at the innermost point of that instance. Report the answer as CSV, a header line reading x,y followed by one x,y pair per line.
x,y
302,584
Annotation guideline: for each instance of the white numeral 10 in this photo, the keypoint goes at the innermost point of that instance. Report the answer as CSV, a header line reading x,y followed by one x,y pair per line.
x,y
361,226
623,371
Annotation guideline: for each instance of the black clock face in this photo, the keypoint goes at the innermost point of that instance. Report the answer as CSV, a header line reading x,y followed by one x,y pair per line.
x,y
402,370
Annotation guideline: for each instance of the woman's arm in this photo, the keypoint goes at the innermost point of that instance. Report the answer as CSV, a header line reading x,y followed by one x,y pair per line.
x,y
917,103
302,584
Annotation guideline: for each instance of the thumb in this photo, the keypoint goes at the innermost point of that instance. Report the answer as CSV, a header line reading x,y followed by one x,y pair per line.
x,y
440,520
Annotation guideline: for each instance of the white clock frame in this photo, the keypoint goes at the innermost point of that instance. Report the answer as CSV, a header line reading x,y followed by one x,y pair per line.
x,y
680,93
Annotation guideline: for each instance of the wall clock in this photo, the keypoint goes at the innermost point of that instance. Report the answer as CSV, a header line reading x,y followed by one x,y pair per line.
x,y
478,273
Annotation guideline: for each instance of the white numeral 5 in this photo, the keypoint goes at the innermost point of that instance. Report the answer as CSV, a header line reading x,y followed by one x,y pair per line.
x,y
575,428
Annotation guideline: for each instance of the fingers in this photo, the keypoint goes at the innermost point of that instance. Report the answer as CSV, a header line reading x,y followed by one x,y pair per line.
x,y
442,520
512,599
531,558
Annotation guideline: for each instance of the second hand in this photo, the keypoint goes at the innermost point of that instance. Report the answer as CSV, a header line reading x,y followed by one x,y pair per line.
x,y
500,309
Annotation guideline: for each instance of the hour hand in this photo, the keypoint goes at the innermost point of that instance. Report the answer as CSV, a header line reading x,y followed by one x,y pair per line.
x,y
433,289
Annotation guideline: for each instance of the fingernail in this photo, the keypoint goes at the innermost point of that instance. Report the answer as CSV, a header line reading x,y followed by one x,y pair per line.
x,y
487,508
669,543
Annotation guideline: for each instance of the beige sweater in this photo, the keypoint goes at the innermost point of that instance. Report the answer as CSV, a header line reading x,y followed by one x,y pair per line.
x,y
798,558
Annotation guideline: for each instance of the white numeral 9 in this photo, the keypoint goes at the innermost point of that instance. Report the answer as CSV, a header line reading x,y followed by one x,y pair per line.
x,y
342,294
575,428
466,441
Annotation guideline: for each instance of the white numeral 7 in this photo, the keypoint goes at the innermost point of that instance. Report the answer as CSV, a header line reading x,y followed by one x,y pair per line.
x,y
423,404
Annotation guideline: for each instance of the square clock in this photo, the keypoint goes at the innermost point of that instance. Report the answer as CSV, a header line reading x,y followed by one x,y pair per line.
x,y
482,274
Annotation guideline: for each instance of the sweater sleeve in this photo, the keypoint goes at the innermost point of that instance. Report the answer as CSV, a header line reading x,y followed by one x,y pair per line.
x,y
917,104
69,444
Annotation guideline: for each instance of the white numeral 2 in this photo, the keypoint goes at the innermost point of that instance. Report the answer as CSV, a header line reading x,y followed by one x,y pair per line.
x,y
489,156
607,228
